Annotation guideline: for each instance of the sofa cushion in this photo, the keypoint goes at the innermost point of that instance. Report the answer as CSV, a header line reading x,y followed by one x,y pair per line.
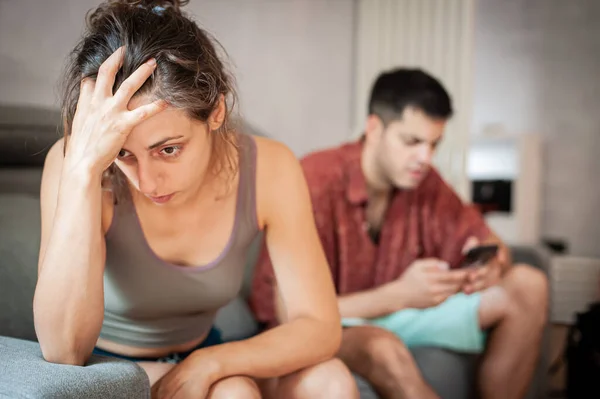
x,y
19,247
21,180
235,321
25,374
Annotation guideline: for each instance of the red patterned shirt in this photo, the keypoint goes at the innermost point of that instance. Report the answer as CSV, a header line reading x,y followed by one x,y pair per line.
x,y
428,221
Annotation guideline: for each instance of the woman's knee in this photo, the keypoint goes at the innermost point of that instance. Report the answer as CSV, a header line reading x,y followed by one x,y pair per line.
x,y
155,370
235,388
330,379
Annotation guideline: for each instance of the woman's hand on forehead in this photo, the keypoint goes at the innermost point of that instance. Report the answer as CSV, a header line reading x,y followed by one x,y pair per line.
x,y
103,121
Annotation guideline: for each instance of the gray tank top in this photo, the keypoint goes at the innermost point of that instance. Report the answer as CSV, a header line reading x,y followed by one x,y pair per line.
x,y
151,303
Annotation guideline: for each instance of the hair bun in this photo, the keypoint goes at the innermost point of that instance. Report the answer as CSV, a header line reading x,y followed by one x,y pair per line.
x,y
152,4
97,18
155,4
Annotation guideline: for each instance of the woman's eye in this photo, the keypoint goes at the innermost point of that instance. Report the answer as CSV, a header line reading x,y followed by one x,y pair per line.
x,y
123,153
171,150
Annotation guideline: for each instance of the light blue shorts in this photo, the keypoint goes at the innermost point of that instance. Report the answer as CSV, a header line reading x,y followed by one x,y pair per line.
x,y
454,325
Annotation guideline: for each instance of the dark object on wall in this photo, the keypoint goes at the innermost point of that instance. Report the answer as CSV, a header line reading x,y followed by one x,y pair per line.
x,y
492,195
557,246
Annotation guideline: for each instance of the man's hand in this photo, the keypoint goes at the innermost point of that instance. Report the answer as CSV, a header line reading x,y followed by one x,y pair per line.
x,y
426,283
193,377
484,276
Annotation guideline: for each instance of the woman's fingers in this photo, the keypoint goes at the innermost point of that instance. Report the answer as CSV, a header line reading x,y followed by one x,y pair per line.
x,y
86,91
144,112
107,72
133,83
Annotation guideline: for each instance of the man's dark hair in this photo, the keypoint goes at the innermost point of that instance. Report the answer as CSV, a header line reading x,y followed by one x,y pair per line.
x,y
400,88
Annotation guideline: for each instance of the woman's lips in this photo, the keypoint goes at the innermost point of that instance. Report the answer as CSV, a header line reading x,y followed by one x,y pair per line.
x,y
161,199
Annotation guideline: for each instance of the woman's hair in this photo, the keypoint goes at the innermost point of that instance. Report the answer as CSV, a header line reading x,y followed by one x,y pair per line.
x,y
189,74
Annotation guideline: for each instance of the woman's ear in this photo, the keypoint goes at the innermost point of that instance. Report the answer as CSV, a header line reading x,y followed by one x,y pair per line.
x,y
217,116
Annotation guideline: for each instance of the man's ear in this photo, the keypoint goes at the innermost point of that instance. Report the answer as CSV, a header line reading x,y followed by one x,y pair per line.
x,y
373,128
217,116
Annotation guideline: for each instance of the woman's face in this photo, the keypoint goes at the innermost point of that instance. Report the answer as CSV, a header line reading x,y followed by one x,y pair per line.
x,y
166,156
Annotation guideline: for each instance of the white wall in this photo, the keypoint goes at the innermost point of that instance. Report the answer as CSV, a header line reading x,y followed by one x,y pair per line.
x,y
536,70
292,59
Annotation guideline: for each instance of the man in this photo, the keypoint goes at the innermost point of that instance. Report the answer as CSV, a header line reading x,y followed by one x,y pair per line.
x,y
394,234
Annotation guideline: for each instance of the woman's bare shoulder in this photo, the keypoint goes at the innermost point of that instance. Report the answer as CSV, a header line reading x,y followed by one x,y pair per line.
x,y
270,151
55,156
278,175
275,161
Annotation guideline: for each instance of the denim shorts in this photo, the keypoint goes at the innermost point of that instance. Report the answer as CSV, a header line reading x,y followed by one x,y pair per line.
x,y
213,338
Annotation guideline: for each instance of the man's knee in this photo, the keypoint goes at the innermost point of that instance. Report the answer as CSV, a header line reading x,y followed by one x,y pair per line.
x,y
528,288
374,348
235,388
330,379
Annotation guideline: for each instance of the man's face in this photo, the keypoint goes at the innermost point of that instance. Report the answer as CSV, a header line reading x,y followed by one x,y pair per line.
x,y
405,148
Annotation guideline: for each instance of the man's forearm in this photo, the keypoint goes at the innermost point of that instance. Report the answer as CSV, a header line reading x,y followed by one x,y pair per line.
x,y
274,353
371,303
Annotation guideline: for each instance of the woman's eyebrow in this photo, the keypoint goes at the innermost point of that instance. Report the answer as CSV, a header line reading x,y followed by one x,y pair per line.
x,y
163,141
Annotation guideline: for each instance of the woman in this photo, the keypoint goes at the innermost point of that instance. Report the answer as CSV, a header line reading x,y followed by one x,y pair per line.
x,y
149,204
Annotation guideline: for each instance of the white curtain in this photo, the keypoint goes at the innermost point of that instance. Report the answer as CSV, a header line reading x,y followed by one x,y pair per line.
x,y
436,35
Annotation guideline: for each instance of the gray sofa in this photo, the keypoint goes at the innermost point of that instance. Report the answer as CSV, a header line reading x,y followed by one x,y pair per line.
x,y
24,373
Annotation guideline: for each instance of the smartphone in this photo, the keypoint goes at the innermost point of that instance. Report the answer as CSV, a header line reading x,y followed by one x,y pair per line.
x,y
479,255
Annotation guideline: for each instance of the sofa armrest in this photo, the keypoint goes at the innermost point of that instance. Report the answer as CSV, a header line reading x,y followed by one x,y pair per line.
x,y
536,256
25,374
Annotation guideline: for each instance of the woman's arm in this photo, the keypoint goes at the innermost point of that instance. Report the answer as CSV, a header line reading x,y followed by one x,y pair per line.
x,y
311,332
69,302
68,305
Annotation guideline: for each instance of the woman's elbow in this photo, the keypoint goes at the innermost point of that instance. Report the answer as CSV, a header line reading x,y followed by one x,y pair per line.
x,y
63,354
60,347
330,334
62,342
